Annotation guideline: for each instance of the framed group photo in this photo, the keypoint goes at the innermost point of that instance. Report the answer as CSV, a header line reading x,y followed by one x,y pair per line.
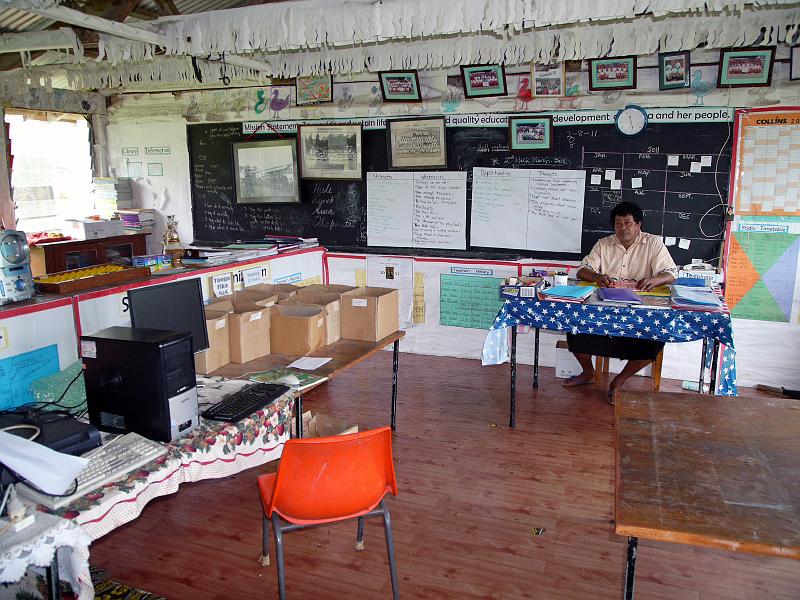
x,y
400,86
674,70
745,67
265,172
313,89
530,133
417,143
330,152
482,81
548,80
617,73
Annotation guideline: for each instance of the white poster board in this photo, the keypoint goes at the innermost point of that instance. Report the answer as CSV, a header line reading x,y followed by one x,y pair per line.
x,y
531,209
417,209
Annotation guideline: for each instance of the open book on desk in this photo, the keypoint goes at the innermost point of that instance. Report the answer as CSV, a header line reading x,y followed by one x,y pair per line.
x,y
305,380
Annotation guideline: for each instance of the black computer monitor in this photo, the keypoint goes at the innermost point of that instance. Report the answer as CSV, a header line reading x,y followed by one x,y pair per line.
x,y
176,306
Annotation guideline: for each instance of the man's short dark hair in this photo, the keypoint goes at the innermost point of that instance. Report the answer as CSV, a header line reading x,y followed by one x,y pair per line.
x,y
623,209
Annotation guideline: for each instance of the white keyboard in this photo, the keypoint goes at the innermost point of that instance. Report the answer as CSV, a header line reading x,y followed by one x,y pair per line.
x,y
107,463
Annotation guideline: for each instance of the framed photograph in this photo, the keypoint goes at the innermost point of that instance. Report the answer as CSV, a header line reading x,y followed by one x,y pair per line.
x,y
400,86
416,143
673,70
745,67
266,172
530,133
618,73
330,151
313,89
548,80
794,63
481,81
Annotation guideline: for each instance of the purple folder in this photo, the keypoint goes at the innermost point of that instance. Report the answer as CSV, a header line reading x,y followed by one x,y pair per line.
x,y
626,295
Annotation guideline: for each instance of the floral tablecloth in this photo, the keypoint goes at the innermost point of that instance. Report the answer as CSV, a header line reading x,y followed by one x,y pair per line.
x,y
665,325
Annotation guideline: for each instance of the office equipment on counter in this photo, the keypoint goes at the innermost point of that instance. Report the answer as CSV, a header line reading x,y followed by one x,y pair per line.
x,y
618,296
140,380
108,463
58,431
245,402
16,281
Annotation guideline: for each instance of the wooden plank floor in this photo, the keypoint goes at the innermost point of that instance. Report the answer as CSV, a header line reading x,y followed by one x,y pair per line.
x,y
471,493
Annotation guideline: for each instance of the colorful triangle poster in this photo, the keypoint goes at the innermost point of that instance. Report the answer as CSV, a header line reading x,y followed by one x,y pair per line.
x,y
761,275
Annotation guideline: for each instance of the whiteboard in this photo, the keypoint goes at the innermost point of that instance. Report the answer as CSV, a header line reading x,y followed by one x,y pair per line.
x,y
417,209
531,209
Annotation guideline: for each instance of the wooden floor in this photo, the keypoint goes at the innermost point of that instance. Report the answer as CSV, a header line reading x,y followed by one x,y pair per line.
x,y
473,496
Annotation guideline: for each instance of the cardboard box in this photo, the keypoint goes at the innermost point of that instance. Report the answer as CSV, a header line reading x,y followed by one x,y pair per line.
x,y
318,288
296,329
282,290
219,349
566,363
369,313
248,328
331,310
322,425
88,229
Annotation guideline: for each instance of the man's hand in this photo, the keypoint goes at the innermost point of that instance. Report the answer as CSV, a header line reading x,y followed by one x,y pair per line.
x,y
647,284
603,280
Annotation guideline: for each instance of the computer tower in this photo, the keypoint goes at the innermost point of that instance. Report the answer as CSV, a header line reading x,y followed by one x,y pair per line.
x,y
140,380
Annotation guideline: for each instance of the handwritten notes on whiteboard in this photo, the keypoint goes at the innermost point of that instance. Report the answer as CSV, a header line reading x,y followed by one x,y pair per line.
x,y
532,209
417,210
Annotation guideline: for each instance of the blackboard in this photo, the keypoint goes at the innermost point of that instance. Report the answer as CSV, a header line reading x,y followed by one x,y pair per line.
x,y
677,202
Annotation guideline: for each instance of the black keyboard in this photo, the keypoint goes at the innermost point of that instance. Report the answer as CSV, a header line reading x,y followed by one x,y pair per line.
x,y
245,402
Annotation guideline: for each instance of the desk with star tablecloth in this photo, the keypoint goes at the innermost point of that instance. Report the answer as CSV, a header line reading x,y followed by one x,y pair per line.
x,y
643,322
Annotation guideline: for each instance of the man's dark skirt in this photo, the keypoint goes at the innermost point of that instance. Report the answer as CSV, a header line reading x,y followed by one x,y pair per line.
x,y
615,347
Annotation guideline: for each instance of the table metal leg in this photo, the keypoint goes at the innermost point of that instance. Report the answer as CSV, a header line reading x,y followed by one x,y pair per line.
x,y
701,381
395,365
298,416
512,420
536,360
53,585
630,567
712,389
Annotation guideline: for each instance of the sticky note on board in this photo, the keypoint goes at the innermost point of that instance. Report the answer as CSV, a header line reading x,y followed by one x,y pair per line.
x,y
597,179
672,160
616,184
705,161
636,182
670,241
611,174
695,167
684,243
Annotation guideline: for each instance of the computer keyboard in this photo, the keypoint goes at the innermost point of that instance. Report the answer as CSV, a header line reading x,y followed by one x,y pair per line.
x,y
245,402
107,463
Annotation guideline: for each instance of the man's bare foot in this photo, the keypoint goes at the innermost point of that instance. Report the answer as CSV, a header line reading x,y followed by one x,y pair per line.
x,y
582,379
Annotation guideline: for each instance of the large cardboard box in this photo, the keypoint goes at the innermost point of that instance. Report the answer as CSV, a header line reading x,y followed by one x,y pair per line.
x,y
267,290
219,349
319,288
248,327
331,310
296,329
369,313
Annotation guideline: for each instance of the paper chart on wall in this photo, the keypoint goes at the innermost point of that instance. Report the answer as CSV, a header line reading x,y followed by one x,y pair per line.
x,y
417,209
396,273
532,209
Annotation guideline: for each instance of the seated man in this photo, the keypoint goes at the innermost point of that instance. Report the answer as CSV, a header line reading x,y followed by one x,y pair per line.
x,y
629,254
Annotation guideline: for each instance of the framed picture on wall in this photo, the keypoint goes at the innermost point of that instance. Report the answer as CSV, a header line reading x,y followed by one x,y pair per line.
x,y
330,151
548,80
481,81
417,143
617,73
745,67
673,70
794,63
313,89
400,86
530,133
265,172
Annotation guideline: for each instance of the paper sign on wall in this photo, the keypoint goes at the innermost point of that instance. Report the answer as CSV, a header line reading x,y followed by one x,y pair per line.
x,y
222,285
252,277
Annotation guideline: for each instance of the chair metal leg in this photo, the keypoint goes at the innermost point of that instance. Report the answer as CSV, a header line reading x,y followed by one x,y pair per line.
x,y
264,560
276,529
387,526
53,580
512,418
360,535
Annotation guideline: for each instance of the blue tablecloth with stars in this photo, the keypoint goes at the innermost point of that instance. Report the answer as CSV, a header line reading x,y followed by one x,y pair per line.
x,y
665,325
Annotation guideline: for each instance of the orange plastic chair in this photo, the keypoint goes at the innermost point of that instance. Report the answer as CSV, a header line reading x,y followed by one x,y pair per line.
x,y
326,480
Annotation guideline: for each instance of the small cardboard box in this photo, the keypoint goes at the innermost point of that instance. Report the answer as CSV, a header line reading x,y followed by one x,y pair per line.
x,y
248,296
331,310
566,364
331,288
369,313
89,229
219,349
282,290
322,425
248,327
296,329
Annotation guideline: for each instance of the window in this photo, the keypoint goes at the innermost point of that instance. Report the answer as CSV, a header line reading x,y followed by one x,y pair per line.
x,y
51,170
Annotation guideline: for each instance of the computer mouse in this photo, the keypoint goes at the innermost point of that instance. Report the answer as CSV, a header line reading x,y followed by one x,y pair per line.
x,y
288,379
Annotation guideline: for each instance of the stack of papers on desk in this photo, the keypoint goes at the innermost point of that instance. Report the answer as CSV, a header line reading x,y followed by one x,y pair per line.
x,y
570,293
306,380
622,296
694,299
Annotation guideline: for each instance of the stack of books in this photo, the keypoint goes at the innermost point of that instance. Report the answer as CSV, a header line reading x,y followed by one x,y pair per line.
x,y
618,296
694,298
567,293
207,257
111,194
281,243
138,219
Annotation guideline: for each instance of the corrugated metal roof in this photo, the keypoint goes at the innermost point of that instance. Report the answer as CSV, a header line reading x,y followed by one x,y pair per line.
x,y
13,20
